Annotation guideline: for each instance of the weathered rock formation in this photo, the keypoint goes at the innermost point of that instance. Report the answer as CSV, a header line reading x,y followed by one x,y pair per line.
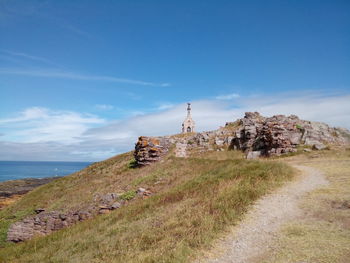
x,y
150,149
46,222
281,134
253,134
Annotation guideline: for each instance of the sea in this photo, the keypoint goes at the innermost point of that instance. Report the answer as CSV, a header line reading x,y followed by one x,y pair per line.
x,y
13,170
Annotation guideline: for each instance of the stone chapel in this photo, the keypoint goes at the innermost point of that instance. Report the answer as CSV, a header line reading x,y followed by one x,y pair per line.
x,y
188,124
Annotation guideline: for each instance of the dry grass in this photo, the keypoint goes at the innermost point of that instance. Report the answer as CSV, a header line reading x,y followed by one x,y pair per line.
x,y
6,201
221,155
323,235
195,200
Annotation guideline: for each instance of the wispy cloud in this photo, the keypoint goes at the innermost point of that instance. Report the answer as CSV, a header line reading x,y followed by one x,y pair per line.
x,y
37,124
227,96
11,59
74,29
77,76
9,10
133,96
104,107
27,56
165,106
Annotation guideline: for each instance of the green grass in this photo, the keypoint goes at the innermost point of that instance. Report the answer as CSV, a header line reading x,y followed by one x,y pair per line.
x,y
128,195
132,164
194,201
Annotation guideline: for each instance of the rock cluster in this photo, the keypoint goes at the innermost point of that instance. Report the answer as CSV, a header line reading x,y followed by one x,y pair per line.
x,y
267,136
253,134
46,222
281,134
144,193
150,149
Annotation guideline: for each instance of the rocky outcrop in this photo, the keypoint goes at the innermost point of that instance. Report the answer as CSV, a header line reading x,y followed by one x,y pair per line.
x,y
261,136
150,149
267,136
253,134
46,222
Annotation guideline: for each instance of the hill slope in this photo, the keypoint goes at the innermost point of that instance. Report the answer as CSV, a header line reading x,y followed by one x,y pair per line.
x,y
192,201
164,208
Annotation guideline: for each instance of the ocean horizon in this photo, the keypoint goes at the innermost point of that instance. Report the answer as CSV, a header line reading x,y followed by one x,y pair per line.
x,y
14,170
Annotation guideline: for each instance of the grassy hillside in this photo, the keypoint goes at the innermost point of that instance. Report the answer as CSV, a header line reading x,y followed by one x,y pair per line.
x,y
194,200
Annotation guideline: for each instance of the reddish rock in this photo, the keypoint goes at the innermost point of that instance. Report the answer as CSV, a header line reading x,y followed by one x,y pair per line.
x,y
150,149
254,134
104,211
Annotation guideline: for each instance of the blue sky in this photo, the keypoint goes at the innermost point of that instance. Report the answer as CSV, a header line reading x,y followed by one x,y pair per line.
x,y
80,80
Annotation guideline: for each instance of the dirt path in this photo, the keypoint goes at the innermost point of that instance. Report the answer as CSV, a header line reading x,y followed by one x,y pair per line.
x,y
255,234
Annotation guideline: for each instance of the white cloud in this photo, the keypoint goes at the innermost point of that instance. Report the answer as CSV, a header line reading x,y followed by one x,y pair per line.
x,y
28,114
77,76
43,134
227,96
42,125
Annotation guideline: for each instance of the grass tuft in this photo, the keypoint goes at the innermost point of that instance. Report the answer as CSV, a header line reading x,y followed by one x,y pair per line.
x,y
128,195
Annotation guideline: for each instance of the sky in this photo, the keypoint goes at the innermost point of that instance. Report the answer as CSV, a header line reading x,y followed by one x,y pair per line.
x,y
81,80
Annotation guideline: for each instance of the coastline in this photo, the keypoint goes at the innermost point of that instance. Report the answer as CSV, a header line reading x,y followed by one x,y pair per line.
x,y
13,190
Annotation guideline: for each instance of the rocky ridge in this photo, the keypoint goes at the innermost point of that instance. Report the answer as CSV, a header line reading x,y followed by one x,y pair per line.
x,y
46,222
253,134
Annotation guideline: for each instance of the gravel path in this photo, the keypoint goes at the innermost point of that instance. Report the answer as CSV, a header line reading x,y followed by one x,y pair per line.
x,y
255,234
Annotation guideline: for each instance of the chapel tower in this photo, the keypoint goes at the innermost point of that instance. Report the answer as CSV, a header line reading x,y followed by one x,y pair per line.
x,y
188,124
